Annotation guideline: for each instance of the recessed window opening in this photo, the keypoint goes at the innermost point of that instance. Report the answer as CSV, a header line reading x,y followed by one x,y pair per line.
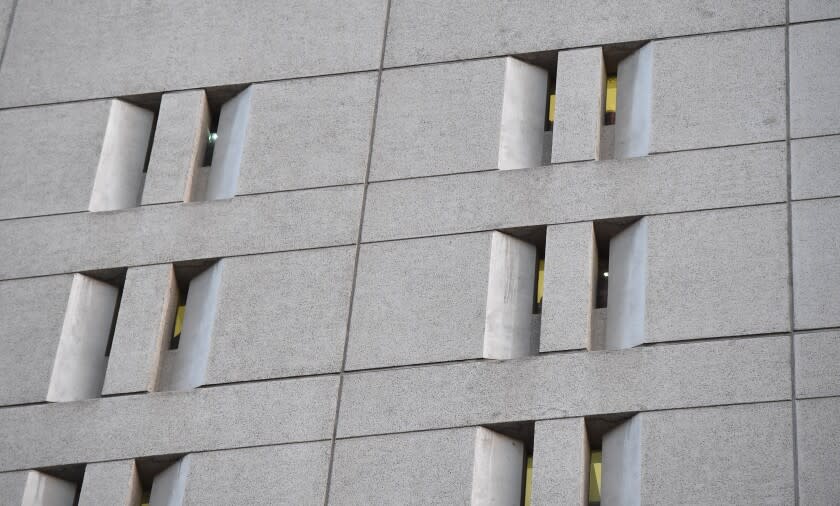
x,y
184,275
150,102
605,231
84,346
70,477
523,432
185,355
536,237
597,429
613,56
124,157
148,471
223,142
116,278
546,60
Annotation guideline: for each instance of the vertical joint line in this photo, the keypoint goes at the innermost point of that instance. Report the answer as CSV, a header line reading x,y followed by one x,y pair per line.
x,y
356,255
791,307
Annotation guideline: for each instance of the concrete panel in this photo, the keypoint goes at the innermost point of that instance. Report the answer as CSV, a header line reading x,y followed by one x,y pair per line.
x,y
718,455
286,474
119,175
104,48
283,314
223,179
579,106
471,465
438,119
181,136
818,364
426,300
819,456
816,265
417,468
169,484
633,116
566,385
46,490
175,232
114,483
718,90
420,301
717,273
49,156
814,71
627,295
522,129
437,30
510,298
621,469
576,192
12,486
810,10
144,326
32,312
185,367
133,426
815,170
80,360
448,118
308,133
569,287
561,458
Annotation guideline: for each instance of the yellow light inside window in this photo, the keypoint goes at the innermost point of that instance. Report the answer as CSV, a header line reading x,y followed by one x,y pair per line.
x,y
529,473
179,321
612,86
540,282
551,100
595,477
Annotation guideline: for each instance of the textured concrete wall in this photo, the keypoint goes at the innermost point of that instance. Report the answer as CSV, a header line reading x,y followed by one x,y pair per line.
x,y
48,166
32,311
340,351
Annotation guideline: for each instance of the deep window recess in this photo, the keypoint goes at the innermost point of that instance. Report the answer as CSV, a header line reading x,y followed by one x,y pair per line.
x,y
523,432
605,231
613,455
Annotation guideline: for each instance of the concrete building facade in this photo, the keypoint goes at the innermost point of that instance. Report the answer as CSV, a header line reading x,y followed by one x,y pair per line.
x,y
419,252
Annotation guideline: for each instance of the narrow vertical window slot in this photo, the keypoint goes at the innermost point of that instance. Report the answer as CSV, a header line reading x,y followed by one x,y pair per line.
x,y
162,478
632,65
184,361
618,248
81,358
229,110
521,436
60,485
543,91
503,466
613,471
514,297
626,100
124,156
522,129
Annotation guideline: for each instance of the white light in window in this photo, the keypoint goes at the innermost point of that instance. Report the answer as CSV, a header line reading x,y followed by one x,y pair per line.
x,y
606,274
213,136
